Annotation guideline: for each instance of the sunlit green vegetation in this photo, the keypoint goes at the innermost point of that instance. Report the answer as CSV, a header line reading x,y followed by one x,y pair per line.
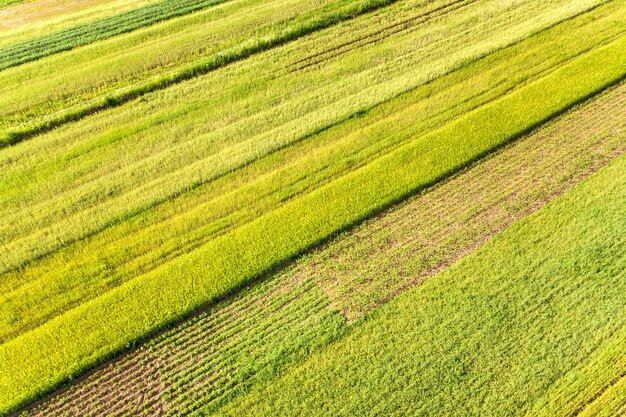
x,y
533,324
80,35
112,72
128,249
246,340
4,3
36,18
111,166
188,149
61,347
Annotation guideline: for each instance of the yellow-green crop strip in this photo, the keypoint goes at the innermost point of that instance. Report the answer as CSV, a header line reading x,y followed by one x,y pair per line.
x,y
245,340
4,3
38,360
79,35
193,133
112,72
48,287
533,324
36,18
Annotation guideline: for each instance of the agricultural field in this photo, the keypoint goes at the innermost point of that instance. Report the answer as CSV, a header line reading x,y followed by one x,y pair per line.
x,y
332,207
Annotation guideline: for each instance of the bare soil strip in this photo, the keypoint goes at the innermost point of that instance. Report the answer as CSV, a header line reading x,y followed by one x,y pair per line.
x,y
211,358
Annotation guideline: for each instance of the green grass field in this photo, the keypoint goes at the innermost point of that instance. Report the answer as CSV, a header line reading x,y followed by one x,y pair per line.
x,y
5,3
128,249
270,325
521,327
33,49
188,152
26,20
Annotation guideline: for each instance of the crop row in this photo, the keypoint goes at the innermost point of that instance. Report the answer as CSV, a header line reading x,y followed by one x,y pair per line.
x,y
196,143
37,18
379,258
139,245
41,359
84,34
532,324
611,401
116,164
112,72
158,56
212,358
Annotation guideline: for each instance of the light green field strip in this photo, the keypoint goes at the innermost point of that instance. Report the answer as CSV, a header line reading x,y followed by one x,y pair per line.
x,y
212,358
489,336
34,18
596,387
80,35
427,233
127,66
251,337
144,140
104,169
108,73
49,287
37,361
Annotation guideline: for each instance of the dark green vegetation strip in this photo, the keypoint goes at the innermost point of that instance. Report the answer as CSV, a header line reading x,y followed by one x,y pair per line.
x,y
533,324
39,360
80,35
269,325
280,35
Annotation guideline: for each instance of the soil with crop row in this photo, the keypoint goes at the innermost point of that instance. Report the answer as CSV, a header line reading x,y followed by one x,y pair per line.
x,y
219,354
